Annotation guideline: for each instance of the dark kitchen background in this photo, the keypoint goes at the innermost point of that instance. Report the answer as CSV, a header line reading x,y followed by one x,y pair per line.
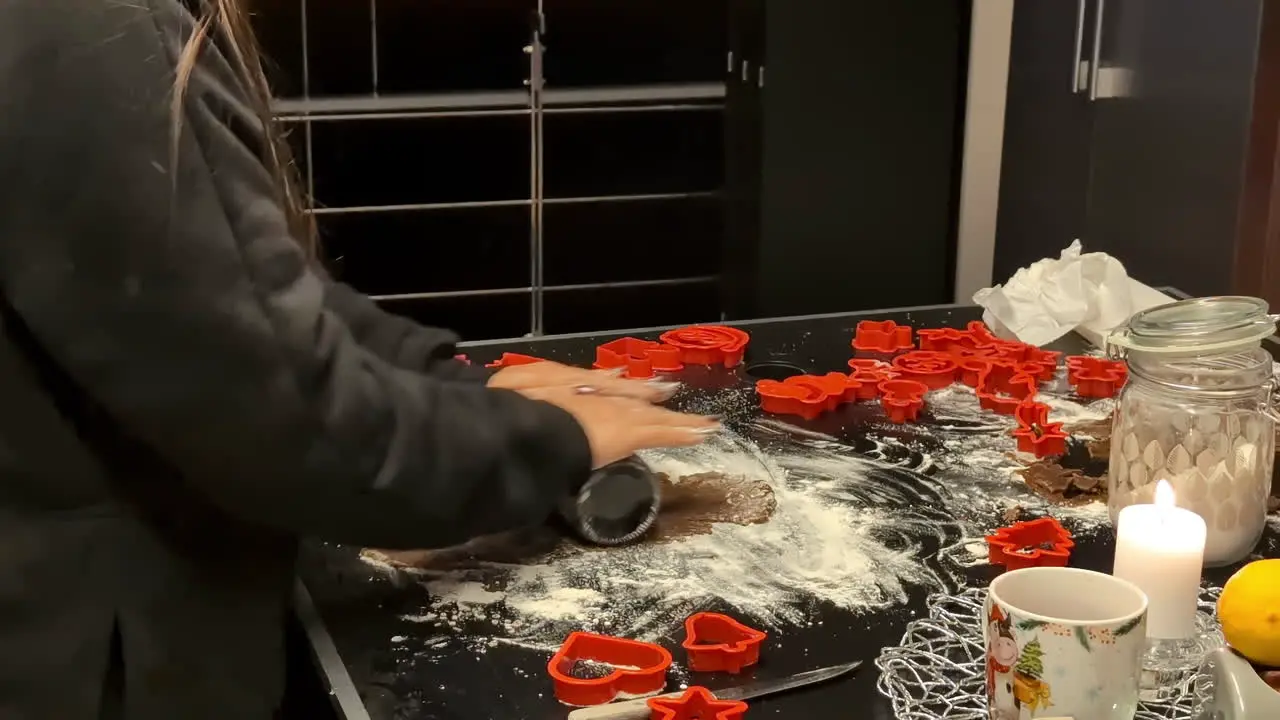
x,y
419,138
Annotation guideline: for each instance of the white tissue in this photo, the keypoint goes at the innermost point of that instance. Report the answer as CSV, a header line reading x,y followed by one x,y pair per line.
x,y
1052,297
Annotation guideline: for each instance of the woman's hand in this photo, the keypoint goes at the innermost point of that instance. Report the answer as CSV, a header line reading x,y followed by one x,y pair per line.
x,y
616,427
547,374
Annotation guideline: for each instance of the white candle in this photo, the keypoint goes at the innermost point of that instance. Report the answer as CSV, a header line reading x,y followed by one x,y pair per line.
x,y
1160,548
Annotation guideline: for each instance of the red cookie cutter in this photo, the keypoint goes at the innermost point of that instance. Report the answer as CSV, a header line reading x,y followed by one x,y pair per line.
x,y
1035,543
868,374
1046,360
943,339
935,369
514,359
882,336
708,344
1095,377
970,370
639,668
718,643
1035,434
1002,388
697,703
902,399
806,395
980,336
640,358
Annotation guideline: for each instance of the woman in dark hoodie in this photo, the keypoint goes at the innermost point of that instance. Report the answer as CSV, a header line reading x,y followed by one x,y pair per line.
x,y
185,393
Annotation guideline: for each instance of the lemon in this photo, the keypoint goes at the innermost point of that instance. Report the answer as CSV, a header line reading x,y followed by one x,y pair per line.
x,y
1249,610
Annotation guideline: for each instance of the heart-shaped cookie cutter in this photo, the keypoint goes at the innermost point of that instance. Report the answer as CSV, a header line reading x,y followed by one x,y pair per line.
x,y
638,669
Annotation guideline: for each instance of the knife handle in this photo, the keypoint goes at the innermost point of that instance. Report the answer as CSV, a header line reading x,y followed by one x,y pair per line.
x,y
625,710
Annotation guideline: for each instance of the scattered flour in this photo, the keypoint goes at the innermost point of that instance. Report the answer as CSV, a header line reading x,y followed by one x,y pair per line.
x,y
854,529
848,532
979,463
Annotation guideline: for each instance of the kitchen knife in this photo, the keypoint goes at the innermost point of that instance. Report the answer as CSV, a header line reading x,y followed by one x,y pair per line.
x,y
639,709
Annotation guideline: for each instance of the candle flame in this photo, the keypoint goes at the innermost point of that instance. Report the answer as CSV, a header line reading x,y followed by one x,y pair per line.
x,y
1164,495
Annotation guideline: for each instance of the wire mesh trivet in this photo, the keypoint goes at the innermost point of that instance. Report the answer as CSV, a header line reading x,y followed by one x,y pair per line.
x,y
938,669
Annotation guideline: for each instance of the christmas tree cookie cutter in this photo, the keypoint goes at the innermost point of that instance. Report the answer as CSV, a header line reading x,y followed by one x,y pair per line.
x,y
1034,543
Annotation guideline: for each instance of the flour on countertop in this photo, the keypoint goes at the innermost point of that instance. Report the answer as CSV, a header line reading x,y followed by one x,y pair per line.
x,y
840,536
852,529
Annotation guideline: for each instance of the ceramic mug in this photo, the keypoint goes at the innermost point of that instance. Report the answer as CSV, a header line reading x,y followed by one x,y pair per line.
x,y
1063,642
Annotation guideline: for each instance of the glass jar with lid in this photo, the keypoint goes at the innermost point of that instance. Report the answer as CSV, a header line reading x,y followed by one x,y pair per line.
x,y
1197,412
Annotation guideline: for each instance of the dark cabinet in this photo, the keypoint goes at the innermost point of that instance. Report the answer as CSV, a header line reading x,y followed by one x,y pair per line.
x,y
842,154
1047,125
1147,158
511,167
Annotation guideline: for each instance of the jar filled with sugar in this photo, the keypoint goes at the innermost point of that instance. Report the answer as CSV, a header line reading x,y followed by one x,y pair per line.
x,y
1198,412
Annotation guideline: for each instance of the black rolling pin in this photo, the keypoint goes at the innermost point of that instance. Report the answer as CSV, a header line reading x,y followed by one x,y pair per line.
x,y
617,505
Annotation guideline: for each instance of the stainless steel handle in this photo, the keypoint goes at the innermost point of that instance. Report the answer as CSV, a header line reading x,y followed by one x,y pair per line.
x,y
1077,57
1096,60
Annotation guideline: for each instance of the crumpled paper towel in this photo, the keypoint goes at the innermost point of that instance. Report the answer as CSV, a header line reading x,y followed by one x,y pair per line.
x,y
1052,297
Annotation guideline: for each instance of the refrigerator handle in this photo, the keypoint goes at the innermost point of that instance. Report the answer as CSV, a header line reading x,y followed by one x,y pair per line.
x,y
1097,50
1079,48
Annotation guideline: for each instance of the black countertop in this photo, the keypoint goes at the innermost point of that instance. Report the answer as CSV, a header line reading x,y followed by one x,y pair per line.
x,y
416,671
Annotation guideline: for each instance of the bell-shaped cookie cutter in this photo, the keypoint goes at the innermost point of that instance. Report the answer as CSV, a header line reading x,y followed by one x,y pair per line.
x,y
719,643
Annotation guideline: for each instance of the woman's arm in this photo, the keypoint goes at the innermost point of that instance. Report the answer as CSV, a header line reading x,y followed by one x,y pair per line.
x,y
176,298
398,340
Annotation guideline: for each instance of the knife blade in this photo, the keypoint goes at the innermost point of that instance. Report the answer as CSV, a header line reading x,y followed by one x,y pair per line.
x,y
639,709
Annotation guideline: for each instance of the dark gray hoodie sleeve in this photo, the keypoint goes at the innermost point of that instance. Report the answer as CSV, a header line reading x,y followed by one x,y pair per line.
x,y
398,340
174,297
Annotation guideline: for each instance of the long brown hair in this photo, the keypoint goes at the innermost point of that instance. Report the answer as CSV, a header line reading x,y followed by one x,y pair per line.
x,y
230,22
